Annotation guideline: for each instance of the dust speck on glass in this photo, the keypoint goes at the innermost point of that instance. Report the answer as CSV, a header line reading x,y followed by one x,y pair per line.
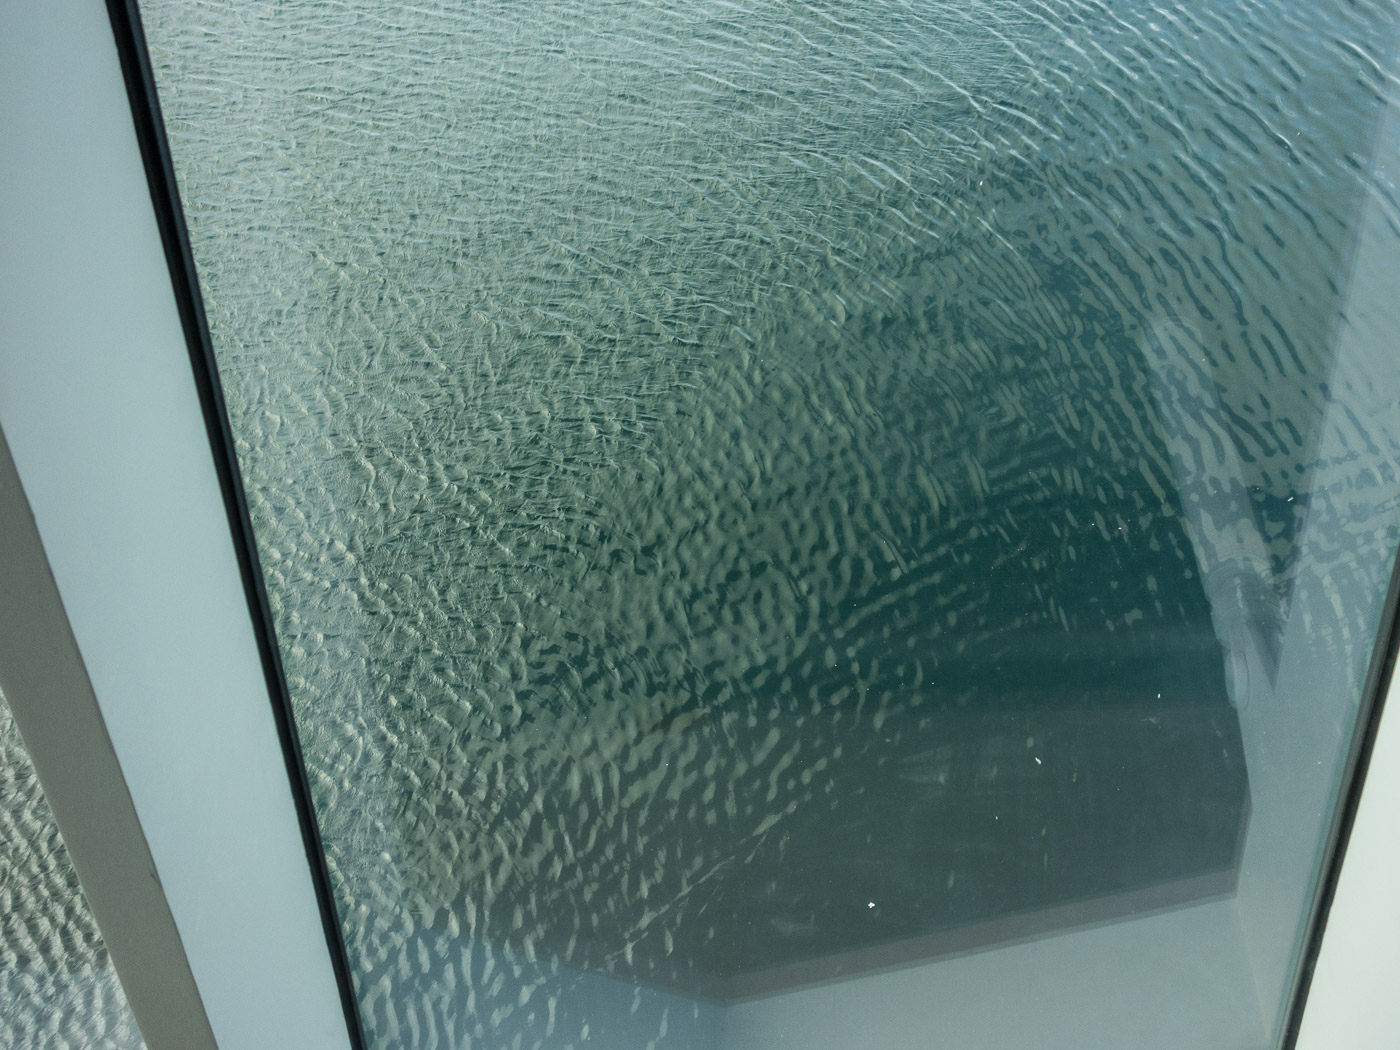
x,y
776,514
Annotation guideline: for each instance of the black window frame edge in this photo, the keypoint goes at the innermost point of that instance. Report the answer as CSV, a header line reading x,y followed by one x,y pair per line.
x,y
1379,678
170,218
137,73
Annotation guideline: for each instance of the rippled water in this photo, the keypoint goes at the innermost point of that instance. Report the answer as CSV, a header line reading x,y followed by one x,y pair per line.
x,y
701,455
58,988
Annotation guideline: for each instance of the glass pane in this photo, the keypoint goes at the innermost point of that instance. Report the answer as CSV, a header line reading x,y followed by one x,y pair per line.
x,y
58,990
839,524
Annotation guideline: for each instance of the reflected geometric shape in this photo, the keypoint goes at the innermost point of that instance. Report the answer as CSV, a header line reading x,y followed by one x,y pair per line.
x,y
939,827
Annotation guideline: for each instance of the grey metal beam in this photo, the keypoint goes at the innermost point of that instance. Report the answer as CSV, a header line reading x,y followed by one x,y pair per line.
x,y
44,681
107,433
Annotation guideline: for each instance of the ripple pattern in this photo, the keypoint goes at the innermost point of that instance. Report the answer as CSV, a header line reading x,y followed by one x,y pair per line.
x,y
649,412
58,990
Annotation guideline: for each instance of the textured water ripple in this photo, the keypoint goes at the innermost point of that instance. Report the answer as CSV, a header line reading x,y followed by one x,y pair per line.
x,y
58,989
644,408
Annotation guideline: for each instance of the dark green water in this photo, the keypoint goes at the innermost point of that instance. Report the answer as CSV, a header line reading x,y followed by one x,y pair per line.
x,y
742,484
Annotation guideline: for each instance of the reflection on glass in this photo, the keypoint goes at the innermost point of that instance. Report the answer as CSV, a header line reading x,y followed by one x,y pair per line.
x,y
762,498
58,990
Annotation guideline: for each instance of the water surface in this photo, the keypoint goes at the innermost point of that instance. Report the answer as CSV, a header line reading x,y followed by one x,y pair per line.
x,y
749,491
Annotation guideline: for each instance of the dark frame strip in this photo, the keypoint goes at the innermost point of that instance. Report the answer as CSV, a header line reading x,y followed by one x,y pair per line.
x,y
1363,742
149,124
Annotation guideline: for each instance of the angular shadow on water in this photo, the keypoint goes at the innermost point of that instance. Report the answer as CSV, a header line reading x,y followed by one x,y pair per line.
x,y
752,494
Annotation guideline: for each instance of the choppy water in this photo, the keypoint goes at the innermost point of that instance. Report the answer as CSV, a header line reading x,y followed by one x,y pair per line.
x,y
661,421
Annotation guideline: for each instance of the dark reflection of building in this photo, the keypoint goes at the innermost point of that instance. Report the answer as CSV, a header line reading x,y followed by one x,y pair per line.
x,y
951,719
1011,824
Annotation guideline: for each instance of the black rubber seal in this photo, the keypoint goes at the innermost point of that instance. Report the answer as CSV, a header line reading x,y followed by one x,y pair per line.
x,y
1363,742
170,218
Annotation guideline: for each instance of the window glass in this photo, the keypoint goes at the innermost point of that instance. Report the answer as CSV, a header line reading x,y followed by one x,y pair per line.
x,y
854,524
58,990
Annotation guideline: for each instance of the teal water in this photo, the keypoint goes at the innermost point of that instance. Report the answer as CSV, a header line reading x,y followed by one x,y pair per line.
x,y
707,461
